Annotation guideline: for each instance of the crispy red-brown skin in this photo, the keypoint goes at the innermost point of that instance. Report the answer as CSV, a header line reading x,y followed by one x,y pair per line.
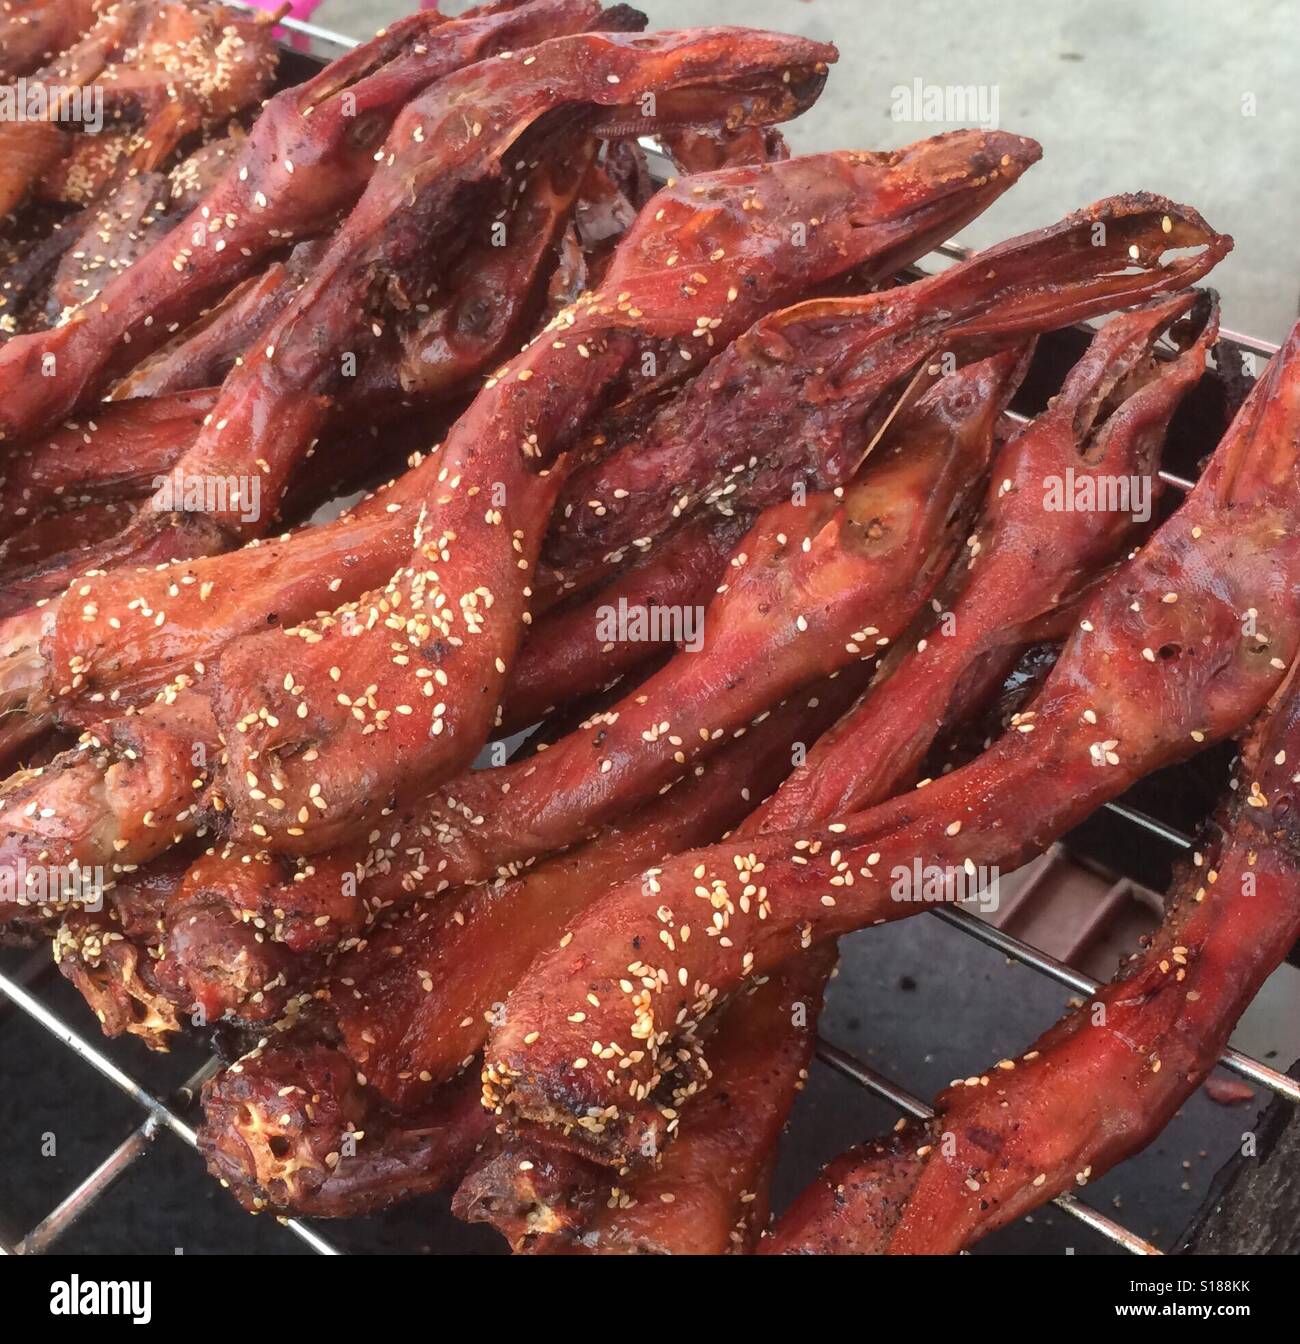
x,y
117,638
181,71
1067,434
103,240
122,797
410,1023
899,204
875,556
812,587
310,909
713,1153
285,411
31,149
420,207
477,858
902,202
529,907
272,581
565,654
337,348
1018,286
114,231
880,552
423,1011
942,445
161,74
40,583
66,267
411,734
276,1148
105,638
839,188
707,1192
488,298
34,32
113,453
852,1206
203,354
1108,422
94,645
837,588
1107,1078
718,1167
1151,677
337,462
329,128
39,542
98,634
813,184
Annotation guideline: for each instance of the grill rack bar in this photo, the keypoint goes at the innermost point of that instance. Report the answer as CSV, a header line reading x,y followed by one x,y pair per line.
x,y
72,1206
1049,966
160,1115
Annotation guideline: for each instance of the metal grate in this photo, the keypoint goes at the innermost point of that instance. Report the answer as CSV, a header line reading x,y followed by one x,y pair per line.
x,y
160,1114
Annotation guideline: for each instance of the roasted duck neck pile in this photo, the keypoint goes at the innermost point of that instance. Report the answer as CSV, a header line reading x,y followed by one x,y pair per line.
x,y
867,183
580,986
1159,664
870,206
332,755
555,1211
1103,1082
261,716
311,758
861,565
874,553
98,128
1024,564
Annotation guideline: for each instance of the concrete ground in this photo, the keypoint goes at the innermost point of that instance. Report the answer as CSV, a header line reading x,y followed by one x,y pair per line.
x,y
1185,97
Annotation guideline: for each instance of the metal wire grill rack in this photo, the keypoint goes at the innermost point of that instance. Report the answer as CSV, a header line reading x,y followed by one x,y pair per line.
x,y
160,1114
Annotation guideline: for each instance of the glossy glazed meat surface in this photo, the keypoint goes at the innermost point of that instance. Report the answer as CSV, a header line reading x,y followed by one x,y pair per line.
x,y
348,430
